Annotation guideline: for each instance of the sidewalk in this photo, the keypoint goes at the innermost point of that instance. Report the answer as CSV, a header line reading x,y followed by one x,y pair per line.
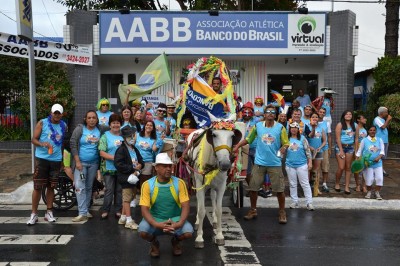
x,y
16,185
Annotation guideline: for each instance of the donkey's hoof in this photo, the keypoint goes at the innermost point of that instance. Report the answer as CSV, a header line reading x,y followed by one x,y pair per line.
x,y
196,227
220,242
214,225
198,244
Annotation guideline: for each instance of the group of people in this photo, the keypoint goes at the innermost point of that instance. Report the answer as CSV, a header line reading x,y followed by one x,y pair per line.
x,y
130,151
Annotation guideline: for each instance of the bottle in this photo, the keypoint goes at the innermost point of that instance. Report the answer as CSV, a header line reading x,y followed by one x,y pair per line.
x,y
50,150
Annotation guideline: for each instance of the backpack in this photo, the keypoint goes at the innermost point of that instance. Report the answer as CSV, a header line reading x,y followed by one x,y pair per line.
x,y
154,185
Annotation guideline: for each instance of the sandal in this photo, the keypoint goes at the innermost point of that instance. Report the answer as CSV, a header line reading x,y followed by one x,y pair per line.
x,y
358,189
104,215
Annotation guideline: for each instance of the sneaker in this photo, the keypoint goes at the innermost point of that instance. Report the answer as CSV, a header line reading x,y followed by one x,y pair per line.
x,y
176,247
131,225
80,218
282,217
325,188
310,207
33,220
264,193
368,196
377,195
122,220
252,214
385,174
133,203
155,249
269,193
294,205
49,217
89,215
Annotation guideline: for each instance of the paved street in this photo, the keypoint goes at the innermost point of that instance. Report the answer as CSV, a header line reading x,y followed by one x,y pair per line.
x,y
323,237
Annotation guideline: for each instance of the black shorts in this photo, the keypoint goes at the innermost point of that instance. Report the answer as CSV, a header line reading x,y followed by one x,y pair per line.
x,y
46,174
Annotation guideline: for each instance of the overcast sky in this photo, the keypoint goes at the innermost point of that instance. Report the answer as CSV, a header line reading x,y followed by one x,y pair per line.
x,y
49,18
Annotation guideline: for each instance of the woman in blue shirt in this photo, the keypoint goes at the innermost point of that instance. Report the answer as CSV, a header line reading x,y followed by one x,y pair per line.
x,y
84,148
361,133
298,163
345,132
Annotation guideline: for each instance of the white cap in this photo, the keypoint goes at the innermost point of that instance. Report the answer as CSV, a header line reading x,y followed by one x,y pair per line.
x,y
57,107
162,158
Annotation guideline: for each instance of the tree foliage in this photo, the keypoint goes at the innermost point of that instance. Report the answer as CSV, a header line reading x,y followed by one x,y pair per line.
x,y
244,5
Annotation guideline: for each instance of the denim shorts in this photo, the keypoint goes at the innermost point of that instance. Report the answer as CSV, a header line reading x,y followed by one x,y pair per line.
x,y
144,226
346,149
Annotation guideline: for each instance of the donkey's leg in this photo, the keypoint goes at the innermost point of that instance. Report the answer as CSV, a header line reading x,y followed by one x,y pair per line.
x,y
199,242
213,194
219,237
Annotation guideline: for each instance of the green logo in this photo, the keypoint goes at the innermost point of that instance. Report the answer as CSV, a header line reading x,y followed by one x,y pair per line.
x,y
306,24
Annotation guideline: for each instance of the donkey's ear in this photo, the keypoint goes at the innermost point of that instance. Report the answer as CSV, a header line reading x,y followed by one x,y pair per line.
x,y
209,136
237,137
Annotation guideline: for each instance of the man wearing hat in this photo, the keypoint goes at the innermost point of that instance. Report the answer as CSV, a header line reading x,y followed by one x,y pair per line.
x,y
327,102
170,117
164,202
48,137
128,162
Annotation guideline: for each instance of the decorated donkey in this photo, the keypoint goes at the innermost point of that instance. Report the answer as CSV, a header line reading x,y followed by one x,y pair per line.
x,y
209,159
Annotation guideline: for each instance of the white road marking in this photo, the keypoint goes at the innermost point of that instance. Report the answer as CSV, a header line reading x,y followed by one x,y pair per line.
x,y
23,220
29,207
237,249
35,239
24,263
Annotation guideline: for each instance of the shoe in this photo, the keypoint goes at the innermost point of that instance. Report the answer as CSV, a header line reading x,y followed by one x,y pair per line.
x,y
155,249
131,225
377,195
385,174
264,194
325,188
33,220
104,215
89,215
282,217
122,220
80,218
176,247
368,196
310,207
252,214
49,217
347,192
294,205
133,204
337,189
117,215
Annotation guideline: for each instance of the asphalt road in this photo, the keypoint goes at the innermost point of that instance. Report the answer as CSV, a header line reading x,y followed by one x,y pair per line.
x,y
322,237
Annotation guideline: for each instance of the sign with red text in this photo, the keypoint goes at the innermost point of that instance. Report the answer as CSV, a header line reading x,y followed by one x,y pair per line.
x,y
79,54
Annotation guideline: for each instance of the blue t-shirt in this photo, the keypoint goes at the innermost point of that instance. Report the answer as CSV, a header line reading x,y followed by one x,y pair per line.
x,y
268,144
45,136
103,117
172,125
373,148
160,127
113,142
134,158
249,125
88,145
347,136
316,141
324,126
327,105
296,154
362,134
381,132
144,145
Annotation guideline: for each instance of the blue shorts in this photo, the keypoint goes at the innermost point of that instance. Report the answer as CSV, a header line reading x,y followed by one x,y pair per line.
x,y
346,149
144,226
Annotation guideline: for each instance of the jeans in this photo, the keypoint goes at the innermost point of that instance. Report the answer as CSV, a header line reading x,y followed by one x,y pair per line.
x,y
144,226
302,174
83,187
113,189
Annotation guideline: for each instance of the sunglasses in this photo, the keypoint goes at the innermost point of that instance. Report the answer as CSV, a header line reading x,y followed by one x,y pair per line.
x,y
104,104
270,112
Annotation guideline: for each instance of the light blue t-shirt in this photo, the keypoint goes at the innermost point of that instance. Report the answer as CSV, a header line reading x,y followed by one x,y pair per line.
x,y
144,145
103,117
249,125
373,148
113,142
172,125
381,132
45,136
134,158
347,136
327,105
362,134
295,154
88,145
268,144
160,127
304,100
316,141
324,126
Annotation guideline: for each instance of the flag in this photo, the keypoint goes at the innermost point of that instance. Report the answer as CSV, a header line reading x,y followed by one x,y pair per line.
x,y
197,104
278,98
154,76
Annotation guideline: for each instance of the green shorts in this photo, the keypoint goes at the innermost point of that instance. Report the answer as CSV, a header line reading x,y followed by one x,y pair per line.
x,y
275,174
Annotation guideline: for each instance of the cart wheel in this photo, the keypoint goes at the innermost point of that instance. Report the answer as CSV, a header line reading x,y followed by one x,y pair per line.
x,y
237,195
64,194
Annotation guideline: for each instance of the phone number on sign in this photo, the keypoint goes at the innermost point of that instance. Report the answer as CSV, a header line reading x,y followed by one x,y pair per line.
x,y
80,59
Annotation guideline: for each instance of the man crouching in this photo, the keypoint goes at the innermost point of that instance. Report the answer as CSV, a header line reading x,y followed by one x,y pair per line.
x,y
164,202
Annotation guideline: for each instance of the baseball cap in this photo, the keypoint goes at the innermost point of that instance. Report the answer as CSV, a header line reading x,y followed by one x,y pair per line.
x,y
57,108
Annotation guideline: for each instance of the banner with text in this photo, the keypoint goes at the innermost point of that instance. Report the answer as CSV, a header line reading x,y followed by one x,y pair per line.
x,y
241,33
79,54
